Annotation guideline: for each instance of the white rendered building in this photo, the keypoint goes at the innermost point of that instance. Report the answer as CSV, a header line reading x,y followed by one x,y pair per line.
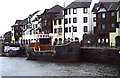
x,y
77,20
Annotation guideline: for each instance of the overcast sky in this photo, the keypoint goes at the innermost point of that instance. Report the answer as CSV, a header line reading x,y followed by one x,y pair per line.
x,y
12,10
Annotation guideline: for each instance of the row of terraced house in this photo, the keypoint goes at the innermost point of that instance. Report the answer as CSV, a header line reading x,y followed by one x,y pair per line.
x,y
78,19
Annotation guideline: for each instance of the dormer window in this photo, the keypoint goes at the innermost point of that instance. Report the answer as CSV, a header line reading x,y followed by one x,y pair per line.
x,y
103,15
102,10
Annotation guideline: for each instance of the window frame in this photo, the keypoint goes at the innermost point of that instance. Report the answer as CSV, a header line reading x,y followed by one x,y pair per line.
x,y
75,29
85,19
85,10
74,10
85,28
103,15
75,20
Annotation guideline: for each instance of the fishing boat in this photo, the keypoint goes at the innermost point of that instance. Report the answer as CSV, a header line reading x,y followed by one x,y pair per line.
x,y
43,50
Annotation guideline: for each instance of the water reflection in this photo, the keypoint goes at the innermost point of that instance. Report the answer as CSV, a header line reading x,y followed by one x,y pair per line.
x,y
17,66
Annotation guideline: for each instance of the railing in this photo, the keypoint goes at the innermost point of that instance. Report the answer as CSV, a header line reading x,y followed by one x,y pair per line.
x,y
112,45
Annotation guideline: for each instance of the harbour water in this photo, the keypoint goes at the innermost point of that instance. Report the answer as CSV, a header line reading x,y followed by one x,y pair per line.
x,y
19,66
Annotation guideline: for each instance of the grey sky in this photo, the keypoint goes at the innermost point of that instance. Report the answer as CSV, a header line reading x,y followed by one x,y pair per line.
x,y
12,10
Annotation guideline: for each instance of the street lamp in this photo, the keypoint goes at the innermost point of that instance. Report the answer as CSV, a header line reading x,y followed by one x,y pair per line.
x,y
72,32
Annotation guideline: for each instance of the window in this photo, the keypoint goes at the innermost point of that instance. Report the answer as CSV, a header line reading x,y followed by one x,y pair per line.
x,y
103,26
36,26
60,22
55,30
74,10
59,29
12,34
24,26
85,29
107,40
21,27
66,21
85,10
98,40
16,34
66,29
99,27
119,25
49,23
69,20
94,19
103,15
85,19
74,29
45,22
65,12
112,25
69,29
69,11
16,27
112,14
99,15
75,20
20,33
55,22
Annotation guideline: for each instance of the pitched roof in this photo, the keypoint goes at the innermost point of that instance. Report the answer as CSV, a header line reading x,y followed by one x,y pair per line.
x,y
34,13
55,9
25,21
109,0
109,6
18,22
45,11
59,16
79,5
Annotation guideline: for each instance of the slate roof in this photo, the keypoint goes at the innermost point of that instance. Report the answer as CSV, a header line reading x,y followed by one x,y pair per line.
x,y
109,0
59,16
24,22
34,13
79,5
109,6
18,22
55,9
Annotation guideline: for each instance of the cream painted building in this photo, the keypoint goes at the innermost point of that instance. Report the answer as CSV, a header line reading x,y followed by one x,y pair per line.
x,y
113,35
58,30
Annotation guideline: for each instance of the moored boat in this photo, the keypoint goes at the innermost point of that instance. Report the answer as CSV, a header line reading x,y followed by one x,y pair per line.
x,y
65,52
11,49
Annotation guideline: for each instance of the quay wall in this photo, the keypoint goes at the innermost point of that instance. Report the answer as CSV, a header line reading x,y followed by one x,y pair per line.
x,y
100,55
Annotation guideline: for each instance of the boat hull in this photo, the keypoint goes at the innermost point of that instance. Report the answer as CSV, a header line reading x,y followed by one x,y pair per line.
x,y
68,52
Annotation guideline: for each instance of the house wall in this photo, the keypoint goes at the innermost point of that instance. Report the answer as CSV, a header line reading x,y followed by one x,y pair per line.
x,y
103,34
80,24
113,35
118,16
93,23
13,38
57,35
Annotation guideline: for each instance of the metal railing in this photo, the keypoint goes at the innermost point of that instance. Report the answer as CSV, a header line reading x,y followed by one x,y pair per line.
x,y
112,45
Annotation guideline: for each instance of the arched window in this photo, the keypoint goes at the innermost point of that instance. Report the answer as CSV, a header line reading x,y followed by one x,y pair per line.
x,y
56,39
60,41
76,38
